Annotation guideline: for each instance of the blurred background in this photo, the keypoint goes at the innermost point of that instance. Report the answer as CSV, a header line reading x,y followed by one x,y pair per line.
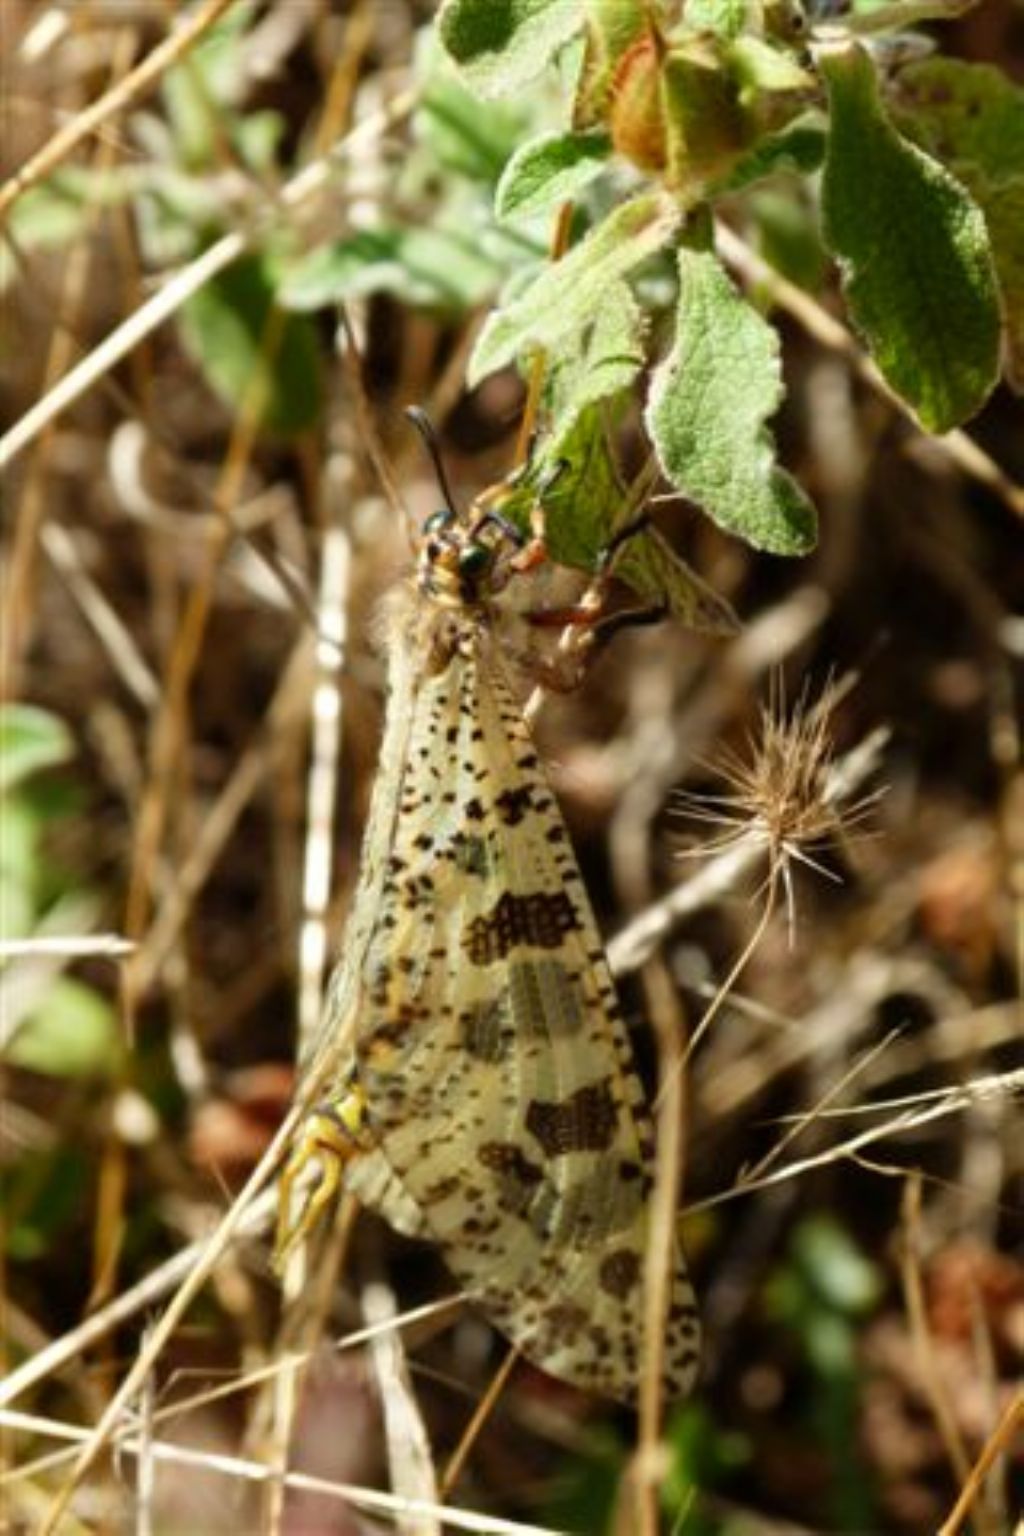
x,y
186,770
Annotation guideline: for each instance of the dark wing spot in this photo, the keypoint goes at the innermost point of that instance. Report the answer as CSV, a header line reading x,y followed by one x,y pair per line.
x,y
619,1273
440,1189
538,918
470,854
584,1122
564,1320
513,805
518,1180
505,1158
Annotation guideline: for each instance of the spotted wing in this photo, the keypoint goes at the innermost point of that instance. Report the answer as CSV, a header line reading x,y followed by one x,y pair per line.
x,y
329,1069
497,1071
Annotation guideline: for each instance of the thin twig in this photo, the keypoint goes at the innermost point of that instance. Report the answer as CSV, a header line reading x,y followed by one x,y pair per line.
x,y
410,1461
168,300
19,577
327,705
211,1254
931,1378
1004,1085
86,122
236,1467
108,946
481,1414
68,1349
1009,1425
99,612
662,1256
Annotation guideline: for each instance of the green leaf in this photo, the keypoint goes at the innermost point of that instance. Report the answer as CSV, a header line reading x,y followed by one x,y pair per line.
x,y
587,1489
702,1455
765,67
914,253
49,215
248,358
457,135
789,238
568,293
23,827
585,507
548,170
611,31
962,111
257,136
708,406
1003,206
46,1191
30,739
426,268
72,1033
897,16
500,45
607,361
56,211
836,1270
726,18
972,118
17,903
587,500
199,93
654,570
799,147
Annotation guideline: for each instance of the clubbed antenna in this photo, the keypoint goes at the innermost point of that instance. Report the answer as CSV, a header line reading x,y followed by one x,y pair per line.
x,y
425,427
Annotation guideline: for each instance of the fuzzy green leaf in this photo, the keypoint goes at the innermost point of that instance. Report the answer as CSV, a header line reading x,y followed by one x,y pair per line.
x,y
30,739
548,170
789,237
870,20
248,359
798,147
972,118
72,1033
709,402
609,357
566,295
914,251
764,67
654,570
588,503
500,45
427,268
457,136
726,18
964,112
1003,206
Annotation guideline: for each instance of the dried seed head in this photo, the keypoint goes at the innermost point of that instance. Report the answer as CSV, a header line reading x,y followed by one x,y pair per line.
x,y
781,792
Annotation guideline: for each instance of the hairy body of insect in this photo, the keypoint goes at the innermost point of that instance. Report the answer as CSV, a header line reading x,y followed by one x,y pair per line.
x,y
476,1081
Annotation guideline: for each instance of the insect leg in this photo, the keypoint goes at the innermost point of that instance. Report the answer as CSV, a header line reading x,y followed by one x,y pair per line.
x,y
587,614
334,1132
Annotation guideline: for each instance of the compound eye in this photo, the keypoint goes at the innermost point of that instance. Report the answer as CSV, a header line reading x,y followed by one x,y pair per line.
x,y
438,521
475,559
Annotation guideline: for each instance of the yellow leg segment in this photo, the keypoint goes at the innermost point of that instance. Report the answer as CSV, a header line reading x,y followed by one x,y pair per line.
x,y
332,1134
